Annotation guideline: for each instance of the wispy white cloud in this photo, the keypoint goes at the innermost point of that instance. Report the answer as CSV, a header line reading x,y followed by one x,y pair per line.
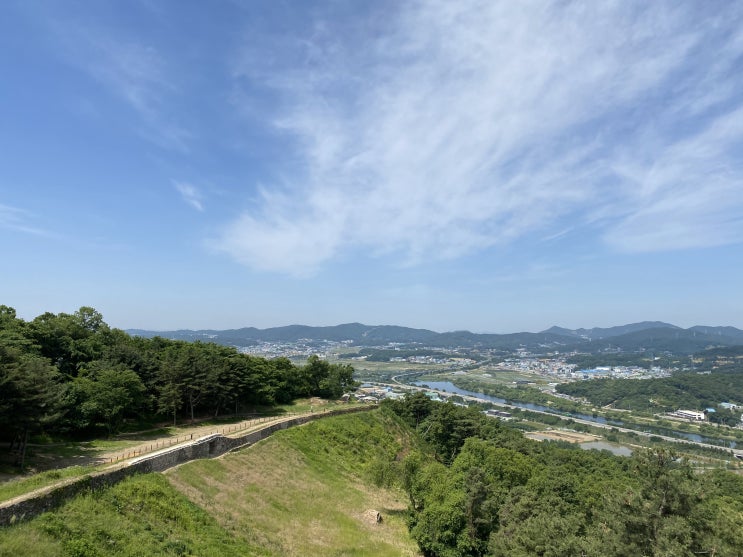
x,y
190,195
20,220
456,126
690,195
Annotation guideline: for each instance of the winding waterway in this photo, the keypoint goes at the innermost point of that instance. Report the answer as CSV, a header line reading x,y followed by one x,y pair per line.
x,y
449,387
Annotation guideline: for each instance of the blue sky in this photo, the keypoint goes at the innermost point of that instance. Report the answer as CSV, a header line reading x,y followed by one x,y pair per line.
x,y
491,166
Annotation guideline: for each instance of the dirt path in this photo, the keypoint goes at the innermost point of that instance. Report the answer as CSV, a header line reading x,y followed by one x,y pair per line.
x,y
156,444
28,504
142,443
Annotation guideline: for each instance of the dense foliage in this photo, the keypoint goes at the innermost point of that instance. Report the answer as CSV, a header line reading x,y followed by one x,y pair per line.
x,y
74,374
722,360
489,491
589,361
685,390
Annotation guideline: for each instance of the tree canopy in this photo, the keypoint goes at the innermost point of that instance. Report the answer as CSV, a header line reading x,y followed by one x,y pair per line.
x,y
483,489
73,374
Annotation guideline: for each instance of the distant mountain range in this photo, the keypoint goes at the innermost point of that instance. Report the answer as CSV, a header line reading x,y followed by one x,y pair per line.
x,y
598,333
646,336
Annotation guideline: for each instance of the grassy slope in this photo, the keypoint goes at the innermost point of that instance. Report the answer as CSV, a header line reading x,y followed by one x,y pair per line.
x,y
306,491
303,492
142,516
21,486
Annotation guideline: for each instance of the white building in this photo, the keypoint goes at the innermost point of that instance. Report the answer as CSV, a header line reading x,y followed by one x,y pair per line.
x,y
690,415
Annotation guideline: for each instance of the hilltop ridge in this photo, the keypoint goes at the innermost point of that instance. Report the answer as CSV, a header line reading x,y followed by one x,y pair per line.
x,y
646,335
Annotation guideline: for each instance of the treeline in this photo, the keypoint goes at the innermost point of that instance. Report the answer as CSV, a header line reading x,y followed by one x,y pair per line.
x,y
684,390
590,361
489,491
73,374
722,360
384,355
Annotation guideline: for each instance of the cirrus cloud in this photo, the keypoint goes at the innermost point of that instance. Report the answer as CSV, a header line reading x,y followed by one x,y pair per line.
x,y
190,195
453,127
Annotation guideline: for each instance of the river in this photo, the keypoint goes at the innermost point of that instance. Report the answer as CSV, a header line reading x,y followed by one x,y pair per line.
x,y
449,387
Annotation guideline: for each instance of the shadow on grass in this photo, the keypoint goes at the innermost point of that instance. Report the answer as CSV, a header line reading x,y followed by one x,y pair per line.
x,y
397,513
47,453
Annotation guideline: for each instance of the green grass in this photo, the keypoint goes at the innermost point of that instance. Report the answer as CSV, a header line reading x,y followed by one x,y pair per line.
x,y
491,377
142,516
17,487
72,449
43,459
46,452
384,371
304,405
51,459
305,491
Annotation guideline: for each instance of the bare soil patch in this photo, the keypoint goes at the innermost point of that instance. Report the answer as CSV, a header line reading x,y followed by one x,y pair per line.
x,y
560,435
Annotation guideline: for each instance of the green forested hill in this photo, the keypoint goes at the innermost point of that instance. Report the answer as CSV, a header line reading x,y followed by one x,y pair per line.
x,y
71,374
664,339
448,482
719,379
684,390
490,492
653,336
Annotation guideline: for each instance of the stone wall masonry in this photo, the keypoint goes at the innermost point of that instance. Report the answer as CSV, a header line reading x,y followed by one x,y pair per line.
x,y
32,504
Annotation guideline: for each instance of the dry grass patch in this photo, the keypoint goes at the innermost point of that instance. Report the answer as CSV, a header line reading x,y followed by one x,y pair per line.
x,y
569,436
294,501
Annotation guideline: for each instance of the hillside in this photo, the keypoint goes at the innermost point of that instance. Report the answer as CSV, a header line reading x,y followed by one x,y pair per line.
x,y
356,332
469,486
664,339
654,336
596,333
308,491
303,492
682,390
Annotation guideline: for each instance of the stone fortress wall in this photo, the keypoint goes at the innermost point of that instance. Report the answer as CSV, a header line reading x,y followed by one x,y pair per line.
x,y
42,500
